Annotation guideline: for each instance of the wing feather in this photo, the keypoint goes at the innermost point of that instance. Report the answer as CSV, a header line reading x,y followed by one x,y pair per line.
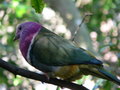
x,y
53,50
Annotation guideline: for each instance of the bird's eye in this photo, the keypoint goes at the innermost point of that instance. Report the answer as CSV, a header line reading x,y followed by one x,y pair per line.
x,y
20,28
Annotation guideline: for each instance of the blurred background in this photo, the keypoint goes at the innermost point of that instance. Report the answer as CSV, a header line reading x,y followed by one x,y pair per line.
x,y
99,34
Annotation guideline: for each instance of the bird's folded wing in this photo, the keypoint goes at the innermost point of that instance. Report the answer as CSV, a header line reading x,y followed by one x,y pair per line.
x,y
53,50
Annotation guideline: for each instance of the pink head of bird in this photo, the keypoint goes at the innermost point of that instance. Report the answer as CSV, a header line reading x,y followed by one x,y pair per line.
x,y
26,28
25,33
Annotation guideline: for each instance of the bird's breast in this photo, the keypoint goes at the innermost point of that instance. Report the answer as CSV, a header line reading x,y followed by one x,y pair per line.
x,y
25,44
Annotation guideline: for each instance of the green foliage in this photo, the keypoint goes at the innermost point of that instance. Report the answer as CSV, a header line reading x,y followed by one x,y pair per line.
x,y
103,10
2,77
108,85
81,81
38,5
17,81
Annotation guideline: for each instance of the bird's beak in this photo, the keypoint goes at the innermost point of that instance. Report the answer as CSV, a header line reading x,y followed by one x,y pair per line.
x,y
15,38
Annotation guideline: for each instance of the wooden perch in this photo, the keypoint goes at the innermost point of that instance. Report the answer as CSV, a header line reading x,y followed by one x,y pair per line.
x,y
32,75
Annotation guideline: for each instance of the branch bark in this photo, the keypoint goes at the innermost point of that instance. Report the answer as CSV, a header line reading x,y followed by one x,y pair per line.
x,y
32,75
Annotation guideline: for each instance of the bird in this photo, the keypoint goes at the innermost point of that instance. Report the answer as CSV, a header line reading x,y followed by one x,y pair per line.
x,y
56,56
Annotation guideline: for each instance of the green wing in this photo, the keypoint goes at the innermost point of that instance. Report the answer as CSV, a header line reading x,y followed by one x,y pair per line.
x,y
53,50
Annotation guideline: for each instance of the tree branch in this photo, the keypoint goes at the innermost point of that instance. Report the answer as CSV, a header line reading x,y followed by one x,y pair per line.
x,y
32,75
78,28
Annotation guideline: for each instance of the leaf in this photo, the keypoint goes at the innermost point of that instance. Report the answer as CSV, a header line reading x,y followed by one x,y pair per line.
x,y
38,5
17,80
20,10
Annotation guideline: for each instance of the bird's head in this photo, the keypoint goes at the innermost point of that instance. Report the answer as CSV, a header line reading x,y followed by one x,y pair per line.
x,y
26,27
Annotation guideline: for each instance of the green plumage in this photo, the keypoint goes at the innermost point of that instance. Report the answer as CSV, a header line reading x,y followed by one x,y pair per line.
x,y
50,51
54,50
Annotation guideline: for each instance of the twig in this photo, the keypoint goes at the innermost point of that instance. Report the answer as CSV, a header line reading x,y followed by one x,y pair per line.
x,y
32,75
89,14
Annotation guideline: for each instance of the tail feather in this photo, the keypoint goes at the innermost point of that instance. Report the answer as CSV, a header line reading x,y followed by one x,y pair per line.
x,y
109,76
101,73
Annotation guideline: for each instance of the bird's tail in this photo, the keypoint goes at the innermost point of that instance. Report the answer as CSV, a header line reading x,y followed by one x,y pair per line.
x,y
106,75
101,73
